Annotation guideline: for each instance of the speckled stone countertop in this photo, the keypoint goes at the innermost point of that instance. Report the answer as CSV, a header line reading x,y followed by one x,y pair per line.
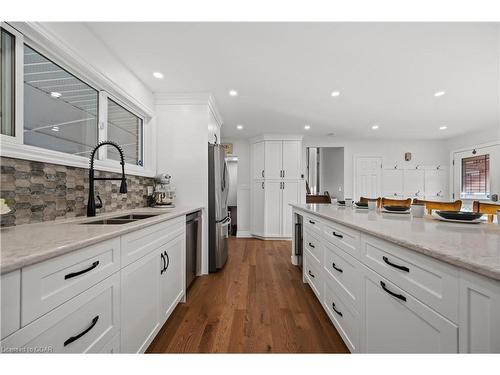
x,y
28,244
475,247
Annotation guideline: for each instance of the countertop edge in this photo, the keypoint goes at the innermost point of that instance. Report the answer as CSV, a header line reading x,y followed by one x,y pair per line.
x,y
457,262
68,248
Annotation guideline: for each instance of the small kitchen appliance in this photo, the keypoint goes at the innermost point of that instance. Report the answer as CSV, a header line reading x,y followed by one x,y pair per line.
x,y
164,191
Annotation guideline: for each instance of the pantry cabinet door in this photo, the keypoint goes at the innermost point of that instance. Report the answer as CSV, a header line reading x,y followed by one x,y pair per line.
x,y
273,160
291,160
399,323
140,292
273,208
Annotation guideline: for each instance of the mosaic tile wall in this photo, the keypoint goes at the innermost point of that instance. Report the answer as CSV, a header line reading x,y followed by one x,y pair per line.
x,y
40,192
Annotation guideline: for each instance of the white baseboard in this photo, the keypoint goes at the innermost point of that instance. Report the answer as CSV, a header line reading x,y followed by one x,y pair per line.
x,y
243,234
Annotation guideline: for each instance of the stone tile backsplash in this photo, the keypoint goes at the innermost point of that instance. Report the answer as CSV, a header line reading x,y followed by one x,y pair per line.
x,y
38,191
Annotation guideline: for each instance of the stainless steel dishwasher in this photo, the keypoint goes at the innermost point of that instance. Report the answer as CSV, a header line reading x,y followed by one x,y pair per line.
x,y
193,246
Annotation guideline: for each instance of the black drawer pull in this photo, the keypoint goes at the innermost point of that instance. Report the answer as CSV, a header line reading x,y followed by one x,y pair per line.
x,y
336,268
312,222
334,309
398,296
74,274
338,235
168,260
310,274
74,338
162,264
310,244
402,268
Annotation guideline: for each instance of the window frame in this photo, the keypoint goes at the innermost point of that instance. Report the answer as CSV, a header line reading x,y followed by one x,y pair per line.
x,y
14,147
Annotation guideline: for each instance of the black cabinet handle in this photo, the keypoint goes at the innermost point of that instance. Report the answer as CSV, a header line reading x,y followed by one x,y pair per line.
x,y
310,244
168,260
163,264
310,274
402,268
338,235
398,296
336,268
74,338
262,173
74,274
334,309
311,222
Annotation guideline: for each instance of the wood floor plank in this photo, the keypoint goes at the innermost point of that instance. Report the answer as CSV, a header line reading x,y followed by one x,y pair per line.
x,y
256,304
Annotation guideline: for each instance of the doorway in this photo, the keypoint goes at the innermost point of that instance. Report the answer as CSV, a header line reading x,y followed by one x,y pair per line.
x,y
367,177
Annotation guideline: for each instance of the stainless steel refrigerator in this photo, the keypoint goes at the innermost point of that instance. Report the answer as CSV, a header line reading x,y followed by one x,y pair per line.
x,y
218,217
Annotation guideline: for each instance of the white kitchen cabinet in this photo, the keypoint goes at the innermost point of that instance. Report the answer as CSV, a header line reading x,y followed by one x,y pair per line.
x,y
258,160
10,313
291,160
258,202
413,183
172,276
392,183
290,194
393,321
273,159
140,302
273,208
479,314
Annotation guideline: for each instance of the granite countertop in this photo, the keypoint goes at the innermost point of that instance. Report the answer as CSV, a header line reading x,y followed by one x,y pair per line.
x,y
28,244
475,247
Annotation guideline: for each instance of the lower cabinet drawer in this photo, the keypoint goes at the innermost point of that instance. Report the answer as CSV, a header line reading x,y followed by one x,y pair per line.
x,y
396,322
313,244
343,271
344,317
313,274
46,285
84,324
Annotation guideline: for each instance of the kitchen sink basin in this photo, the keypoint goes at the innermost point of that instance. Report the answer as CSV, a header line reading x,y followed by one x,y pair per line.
x,y
110,221
135,216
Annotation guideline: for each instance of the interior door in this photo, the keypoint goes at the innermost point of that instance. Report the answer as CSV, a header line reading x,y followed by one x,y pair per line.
x,y
258,160
291,160
273,208
273,159
172,283
368,177
291,194
493,152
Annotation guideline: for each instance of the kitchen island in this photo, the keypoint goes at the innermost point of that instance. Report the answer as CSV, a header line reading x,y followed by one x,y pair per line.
x,y
393,283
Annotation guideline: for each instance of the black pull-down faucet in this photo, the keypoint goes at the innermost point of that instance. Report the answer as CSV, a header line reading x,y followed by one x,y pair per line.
x,y
91,205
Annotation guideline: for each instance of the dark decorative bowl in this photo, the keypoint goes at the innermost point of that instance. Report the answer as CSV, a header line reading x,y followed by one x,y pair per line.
x,y
396,208
362,204
459,215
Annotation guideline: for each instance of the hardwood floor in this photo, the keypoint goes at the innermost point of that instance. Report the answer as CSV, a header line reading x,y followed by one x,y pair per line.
x,y
256,304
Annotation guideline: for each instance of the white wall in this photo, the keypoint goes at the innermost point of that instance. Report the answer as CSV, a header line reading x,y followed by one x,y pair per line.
x,y
332,171
473,139
241,148
392,152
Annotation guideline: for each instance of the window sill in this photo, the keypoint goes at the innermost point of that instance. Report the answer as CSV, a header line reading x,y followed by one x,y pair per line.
x,y
11,149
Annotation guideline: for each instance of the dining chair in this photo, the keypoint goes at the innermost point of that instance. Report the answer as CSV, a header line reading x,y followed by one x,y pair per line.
x,y
489,209
434,205
395,202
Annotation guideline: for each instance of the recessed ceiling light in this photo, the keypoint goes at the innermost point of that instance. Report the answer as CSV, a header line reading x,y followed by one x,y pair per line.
x,y
307,127
239,127
335,93
439,93
55,94
233,93
375,127
443,127
55,128
158,75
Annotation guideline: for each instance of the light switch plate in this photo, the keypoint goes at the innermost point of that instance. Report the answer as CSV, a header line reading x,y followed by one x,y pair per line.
x,y
150,190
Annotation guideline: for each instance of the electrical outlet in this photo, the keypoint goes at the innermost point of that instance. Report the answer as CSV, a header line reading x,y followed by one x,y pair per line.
x,y
150,190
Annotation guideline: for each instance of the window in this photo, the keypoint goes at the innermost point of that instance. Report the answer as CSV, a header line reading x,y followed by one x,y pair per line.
x,y
125,128
7,83
60,111
476,176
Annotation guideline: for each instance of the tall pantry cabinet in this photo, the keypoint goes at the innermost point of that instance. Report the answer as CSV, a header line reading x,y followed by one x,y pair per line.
x,y
276,182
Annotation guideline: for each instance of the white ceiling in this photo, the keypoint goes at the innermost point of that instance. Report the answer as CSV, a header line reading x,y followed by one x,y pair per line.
x,y
387,74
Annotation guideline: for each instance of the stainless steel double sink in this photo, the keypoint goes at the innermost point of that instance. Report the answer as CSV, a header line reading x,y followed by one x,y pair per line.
x,y
122,219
